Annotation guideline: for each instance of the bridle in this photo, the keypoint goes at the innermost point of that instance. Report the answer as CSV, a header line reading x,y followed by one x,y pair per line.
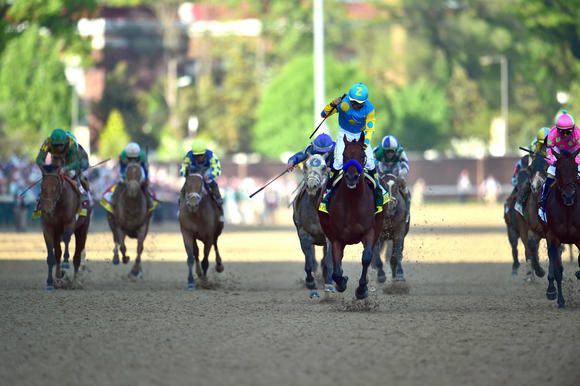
x,y
51,200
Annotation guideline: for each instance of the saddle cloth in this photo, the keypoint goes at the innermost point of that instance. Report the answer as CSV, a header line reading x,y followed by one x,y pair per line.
x,y
107,199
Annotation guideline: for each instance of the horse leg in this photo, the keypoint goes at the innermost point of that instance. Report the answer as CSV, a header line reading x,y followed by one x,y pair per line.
x,y
80,241
50,259
188,242
196,258
558,271
362,290
327,266
205,262
533,243
307,246
552,252
390,255
57,255
378,262
136,270
66,239
122,246
218,259
577,272
513,237
398,256
337,253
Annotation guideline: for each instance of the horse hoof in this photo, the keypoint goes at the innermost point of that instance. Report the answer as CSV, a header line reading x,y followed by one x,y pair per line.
x,y
551,295
314,294
190,286
219,268
341,283
126,259
116,260
539,271
361,294
310,284
561,304
329,288
400,277
49,287
578,275
65,265
135,274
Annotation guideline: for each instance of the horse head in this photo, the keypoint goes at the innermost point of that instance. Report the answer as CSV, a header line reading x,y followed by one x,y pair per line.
x,y
50,189
354,159
567,175
538,170
193,191
391,183
315,173
134,178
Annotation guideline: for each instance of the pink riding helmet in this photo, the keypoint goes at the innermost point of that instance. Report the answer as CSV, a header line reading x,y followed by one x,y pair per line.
x,y
565,121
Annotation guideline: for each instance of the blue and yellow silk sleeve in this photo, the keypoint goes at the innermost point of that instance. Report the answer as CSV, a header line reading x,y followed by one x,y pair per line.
x,y
184,166
369,127
297,158
328,111
405,162
215,167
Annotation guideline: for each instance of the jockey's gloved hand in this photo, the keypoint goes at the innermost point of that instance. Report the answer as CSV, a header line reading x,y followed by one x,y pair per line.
x,y
336,101
290,166
207,177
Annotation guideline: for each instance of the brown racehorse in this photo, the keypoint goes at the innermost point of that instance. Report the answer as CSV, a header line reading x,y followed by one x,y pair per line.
x,y
59,203
351,217
199,218
563,215
130,216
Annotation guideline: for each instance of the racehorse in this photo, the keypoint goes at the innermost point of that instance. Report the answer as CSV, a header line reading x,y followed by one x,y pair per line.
x,y
529,225
563,215
510,215
130,216
59,203
305,208
199,219
395,228
351,217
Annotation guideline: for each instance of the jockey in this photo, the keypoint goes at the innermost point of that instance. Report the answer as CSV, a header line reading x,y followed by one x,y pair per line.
x,y
392,158
83,162
537,147
133,153
356,114
564,136
64,152
201,159
322,144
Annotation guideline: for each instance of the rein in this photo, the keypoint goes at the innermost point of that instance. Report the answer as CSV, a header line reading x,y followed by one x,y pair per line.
x,y
53,200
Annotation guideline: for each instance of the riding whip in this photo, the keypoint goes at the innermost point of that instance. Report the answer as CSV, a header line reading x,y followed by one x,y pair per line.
x,y
40,179
320,124
272,180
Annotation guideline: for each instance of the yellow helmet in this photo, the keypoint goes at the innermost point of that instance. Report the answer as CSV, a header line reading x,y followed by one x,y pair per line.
x,y
198,147
542,134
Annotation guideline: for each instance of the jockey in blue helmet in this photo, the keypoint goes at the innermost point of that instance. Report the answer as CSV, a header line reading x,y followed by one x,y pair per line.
x,y
322,144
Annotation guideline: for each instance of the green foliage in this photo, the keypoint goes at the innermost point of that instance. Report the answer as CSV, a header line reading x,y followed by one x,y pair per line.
x,y
467,108
113,138
34,94
420,116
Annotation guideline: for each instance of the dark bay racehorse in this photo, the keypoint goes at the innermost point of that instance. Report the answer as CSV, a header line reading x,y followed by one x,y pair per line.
x,y
395,228
351,217
510,215
199,218
563,215
130,216
305,216
529,225
59,203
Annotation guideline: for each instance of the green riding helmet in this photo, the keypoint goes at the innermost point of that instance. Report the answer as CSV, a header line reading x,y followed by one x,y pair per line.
x,y
58,137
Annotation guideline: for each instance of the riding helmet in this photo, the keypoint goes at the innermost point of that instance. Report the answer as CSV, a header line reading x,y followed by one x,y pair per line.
x,y
565,121
323,143
58,137
390,143
358,93
133,150
542,134
198,147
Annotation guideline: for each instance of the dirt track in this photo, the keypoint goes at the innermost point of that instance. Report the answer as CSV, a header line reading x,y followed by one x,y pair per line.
x,y
464,320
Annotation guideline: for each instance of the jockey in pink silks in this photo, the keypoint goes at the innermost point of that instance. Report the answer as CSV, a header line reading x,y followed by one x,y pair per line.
x,y
564,136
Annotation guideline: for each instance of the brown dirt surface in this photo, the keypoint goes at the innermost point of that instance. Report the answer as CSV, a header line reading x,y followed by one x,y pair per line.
x,y
459,319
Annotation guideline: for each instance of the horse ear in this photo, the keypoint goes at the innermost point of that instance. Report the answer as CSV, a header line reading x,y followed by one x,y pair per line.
x,y
325,156
362,137
345,140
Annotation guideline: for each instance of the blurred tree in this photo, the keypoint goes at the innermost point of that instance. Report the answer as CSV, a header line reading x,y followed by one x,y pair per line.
x,y
113,138
34,94
467,108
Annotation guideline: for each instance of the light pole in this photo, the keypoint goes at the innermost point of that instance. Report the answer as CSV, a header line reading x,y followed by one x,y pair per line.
x,y
319,84
502,60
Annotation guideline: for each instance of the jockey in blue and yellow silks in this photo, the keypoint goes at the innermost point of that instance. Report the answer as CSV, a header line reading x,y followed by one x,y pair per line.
x,y
201,159
356,114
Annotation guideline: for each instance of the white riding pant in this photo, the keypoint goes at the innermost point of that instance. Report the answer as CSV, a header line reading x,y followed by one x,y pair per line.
x,y
339,149
552,171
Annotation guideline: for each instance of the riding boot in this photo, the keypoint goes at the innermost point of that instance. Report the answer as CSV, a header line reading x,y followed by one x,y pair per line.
x,y
215,190
325,202
545,193
382,196
84,196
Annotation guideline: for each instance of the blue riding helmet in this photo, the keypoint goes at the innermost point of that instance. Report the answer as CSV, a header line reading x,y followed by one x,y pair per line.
x,y
390,143
323,143
358,93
